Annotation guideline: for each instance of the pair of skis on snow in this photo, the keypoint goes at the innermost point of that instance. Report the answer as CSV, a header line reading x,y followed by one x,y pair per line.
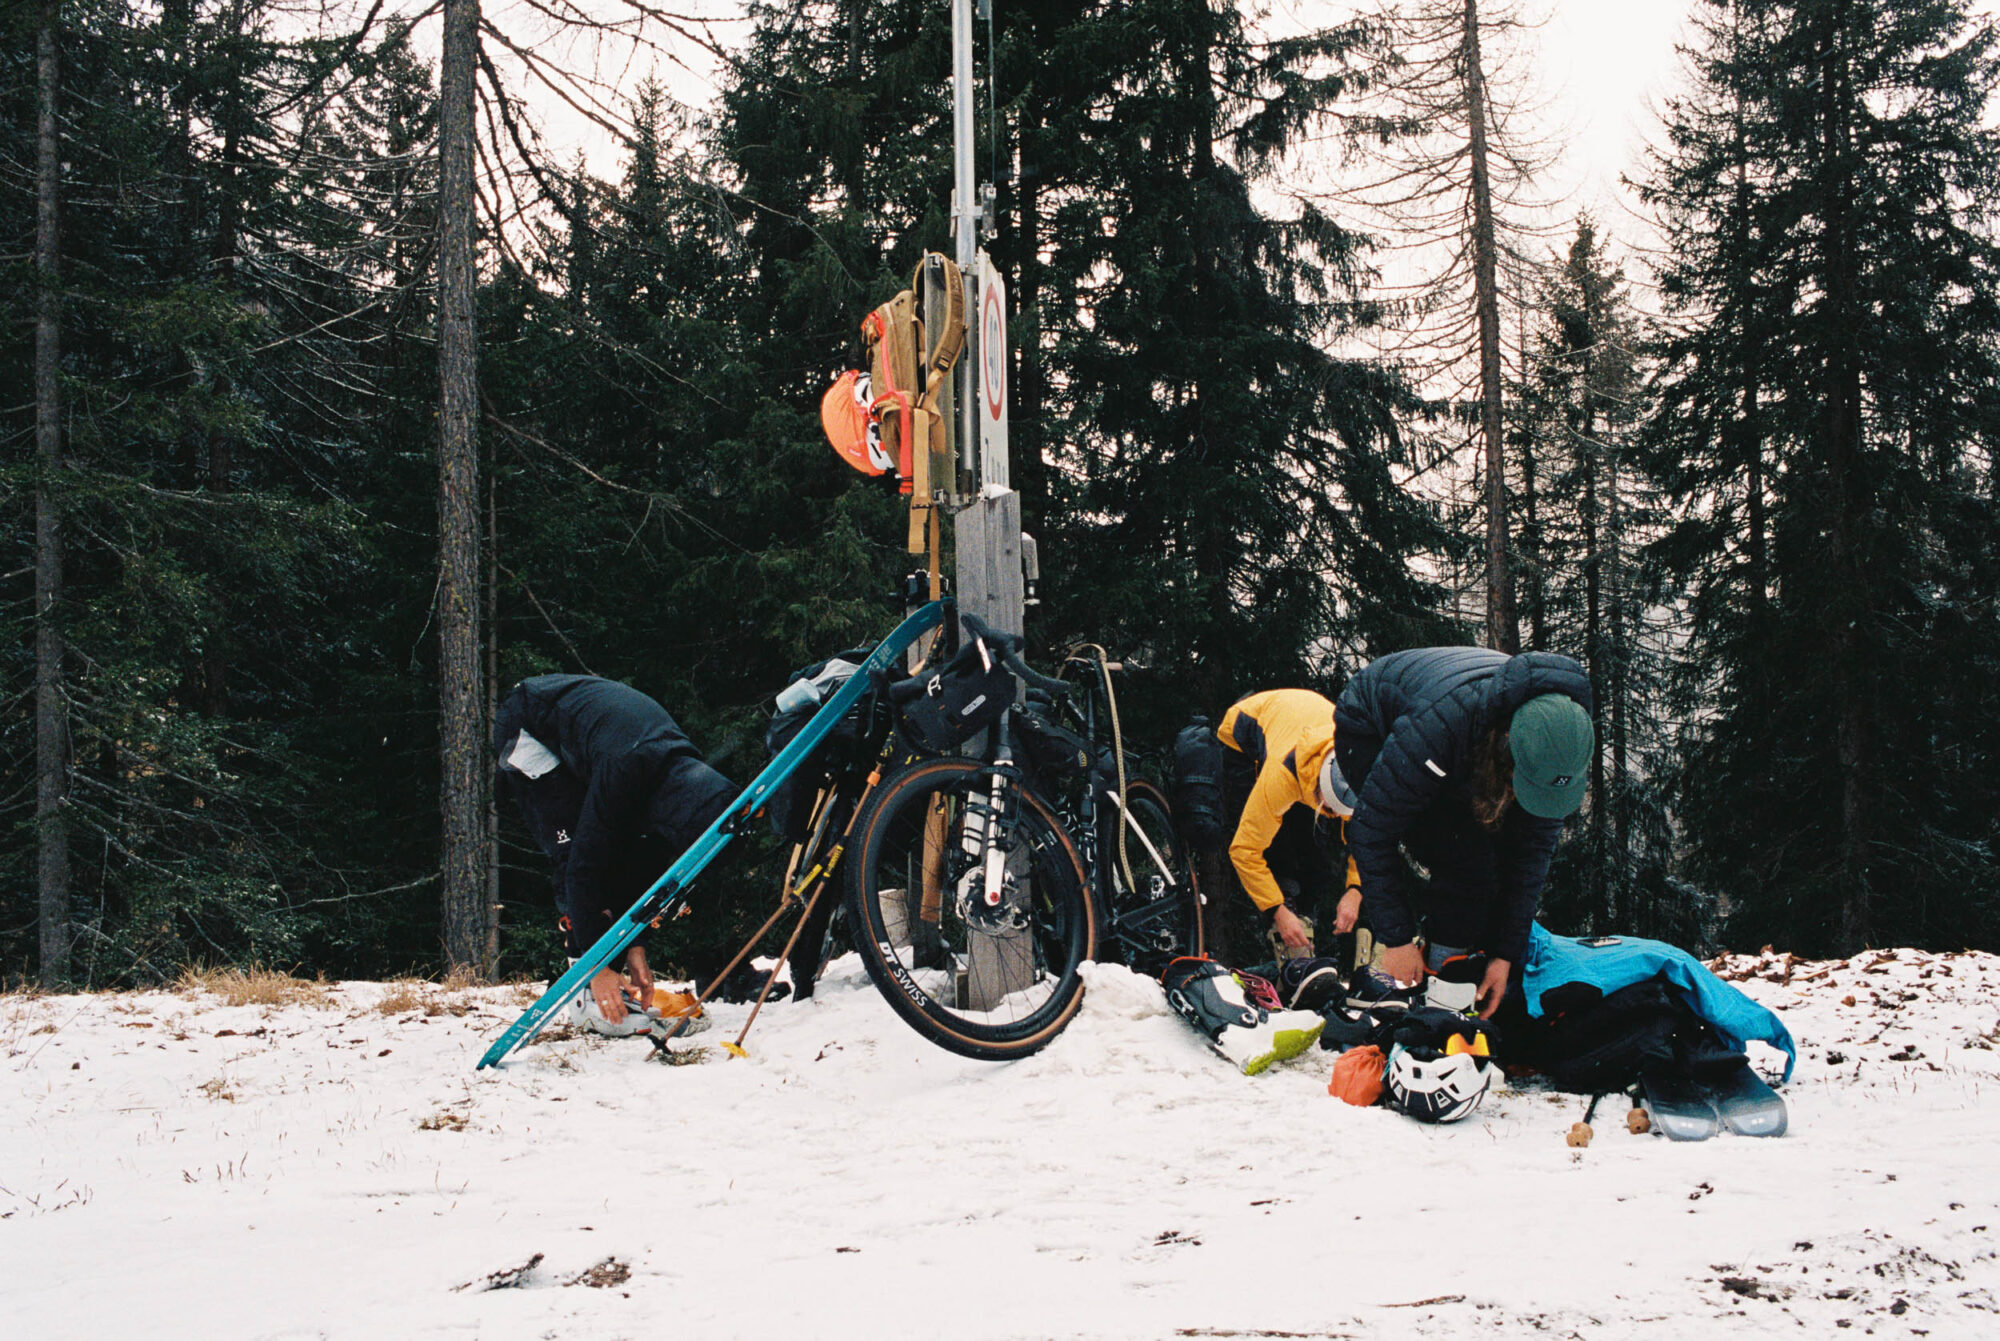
x,y
1686,1107
670,890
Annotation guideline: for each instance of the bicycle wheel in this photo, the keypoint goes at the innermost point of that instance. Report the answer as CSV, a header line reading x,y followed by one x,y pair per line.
x,y
991,996
1156,915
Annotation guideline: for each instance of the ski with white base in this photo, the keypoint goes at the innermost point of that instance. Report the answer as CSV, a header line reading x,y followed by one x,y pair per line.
x,y
1743,1102
1679,1109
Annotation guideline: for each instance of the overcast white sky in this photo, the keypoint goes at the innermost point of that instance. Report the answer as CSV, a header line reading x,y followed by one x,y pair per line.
x,y
1603,68
1600,63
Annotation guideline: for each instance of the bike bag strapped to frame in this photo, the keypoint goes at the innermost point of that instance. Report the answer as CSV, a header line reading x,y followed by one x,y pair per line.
x,y
1198,803
936,711
1058,755
790,805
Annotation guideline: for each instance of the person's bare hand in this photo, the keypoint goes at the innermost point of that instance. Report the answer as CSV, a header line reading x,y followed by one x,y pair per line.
x,y
1493,987
1349,911
1404,963
640,974
607,989
1291,929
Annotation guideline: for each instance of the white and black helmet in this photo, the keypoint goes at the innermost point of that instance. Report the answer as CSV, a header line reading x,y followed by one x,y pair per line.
x,y
1433,1086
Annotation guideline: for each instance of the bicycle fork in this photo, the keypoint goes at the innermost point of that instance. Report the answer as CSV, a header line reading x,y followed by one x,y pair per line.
x,y
985,841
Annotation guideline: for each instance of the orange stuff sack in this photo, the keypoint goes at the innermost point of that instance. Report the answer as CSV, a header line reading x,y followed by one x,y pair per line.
x,y
844,416
1357,1076
670,1003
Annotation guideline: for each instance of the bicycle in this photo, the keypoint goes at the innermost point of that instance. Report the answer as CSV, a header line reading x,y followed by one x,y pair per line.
x,y
910,836
1149,901
974,898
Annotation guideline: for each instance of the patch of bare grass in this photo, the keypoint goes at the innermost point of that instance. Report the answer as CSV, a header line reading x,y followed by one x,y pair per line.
x,y
255,987
444,1121
403,994
606,1274
694,1056
218,1089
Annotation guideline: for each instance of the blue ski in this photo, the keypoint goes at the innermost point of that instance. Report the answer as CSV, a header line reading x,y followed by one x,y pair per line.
x,y
667,892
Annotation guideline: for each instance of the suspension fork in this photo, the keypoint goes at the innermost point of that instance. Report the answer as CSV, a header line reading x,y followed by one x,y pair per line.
x,y
989,821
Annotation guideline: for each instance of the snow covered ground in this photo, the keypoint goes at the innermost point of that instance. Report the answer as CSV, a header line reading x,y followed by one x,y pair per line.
x,y
171,1165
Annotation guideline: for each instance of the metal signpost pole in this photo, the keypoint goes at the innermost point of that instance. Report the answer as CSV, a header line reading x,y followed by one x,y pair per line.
x,y
987,531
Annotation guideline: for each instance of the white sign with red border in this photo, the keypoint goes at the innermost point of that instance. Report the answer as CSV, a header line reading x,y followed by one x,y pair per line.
x,y
992,373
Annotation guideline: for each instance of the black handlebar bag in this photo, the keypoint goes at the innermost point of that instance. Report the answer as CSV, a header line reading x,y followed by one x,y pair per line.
x,y
938,711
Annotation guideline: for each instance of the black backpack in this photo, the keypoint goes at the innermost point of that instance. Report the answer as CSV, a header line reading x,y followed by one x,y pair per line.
x,y
1589,1042
1198,803
789,807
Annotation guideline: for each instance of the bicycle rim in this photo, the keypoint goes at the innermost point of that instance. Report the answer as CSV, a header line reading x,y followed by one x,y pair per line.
x,y
979,995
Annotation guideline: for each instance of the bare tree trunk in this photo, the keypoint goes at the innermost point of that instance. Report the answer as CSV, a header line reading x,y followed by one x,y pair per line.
x,y
1594,658
490,958
462,781
51,709
1534,552
1622,653
1502,628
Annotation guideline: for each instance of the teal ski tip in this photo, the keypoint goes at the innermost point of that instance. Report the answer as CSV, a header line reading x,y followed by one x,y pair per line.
x,y
670,889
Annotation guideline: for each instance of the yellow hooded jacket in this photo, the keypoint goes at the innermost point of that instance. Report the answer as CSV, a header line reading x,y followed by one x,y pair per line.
x,y
1287,732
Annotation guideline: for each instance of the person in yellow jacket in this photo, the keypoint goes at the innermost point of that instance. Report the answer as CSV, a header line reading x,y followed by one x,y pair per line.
x,y
1282,767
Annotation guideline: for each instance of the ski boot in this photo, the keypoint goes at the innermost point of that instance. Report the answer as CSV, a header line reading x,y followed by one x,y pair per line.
x,y
1252,1037
1309,984
1455,978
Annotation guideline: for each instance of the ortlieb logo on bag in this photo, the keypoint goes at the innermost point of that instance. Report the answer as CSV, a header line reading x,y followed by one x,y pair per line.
x,y
956,704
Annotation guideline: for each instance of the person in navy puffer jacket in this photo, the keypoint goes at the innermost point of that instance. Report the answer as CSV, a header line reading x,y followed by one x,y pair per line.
x,y
1468,761
613,791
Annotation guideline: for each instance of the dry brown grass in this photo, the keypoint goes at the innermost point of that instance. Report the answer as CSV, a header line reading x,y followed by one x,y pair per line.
x,y
445,1121
218,1090
694,1056
255,987
403,994
419,994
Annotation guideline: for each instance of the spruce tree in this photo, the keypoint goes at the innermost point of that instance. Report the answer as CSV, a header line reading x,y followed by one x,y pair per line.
x,y
1209,485
1827,432
1594,513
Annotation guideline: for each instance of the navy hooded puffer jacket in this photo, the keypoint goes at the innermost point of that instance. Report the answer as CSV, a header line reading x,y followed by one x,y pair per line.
x,y
1405,729
631,793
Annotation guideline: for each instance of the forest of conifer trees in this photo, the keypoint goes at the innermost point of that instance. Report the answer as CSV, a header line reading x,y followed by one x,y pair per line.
x,y
1735,452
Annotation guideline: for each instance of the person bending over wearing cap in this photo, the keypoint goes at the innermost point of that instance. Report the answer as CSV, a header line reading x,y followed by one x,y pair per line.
x,y
613,791
1277,781
1469,760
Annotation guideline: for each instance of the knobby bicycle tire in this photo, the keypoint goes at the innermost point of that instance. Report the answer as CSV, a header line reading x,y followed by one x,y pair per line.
x,y
938,974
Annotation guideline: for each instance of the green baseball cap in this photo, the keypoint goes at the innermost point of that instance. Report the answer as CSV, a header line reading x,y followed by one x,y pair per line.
x,y
1552,740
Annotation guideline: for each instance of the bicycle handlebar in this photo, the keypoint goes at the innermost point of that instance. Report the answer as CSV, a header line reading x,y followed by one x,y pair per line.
x,y
1008,646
